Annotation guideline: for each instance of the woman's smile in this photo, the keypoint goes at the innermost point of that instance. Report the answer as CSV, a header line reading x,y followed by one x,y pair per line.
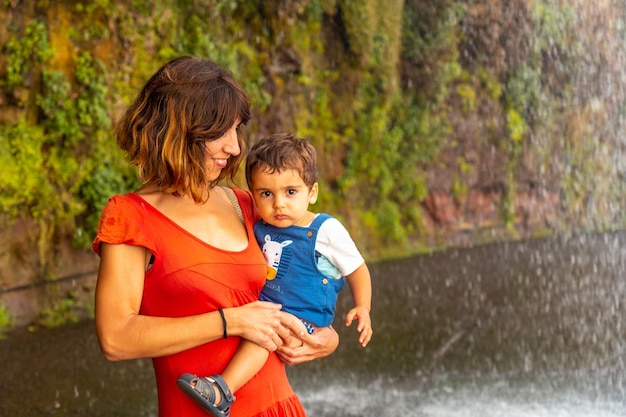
x,y
220,162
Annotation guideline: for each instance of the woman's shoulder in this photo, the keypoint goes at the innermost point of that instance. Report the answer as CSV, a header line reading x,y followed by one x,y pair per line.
x,y
122,218
123,205
128,198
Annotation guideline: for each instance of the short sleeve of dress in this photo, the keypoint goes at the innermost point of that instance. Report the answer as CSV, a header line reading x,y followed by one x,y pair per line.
x,y
123,221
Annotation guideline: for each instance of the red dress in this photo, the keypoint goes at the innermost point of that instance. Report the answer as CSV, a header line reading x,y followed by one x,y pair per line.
x,y
191,277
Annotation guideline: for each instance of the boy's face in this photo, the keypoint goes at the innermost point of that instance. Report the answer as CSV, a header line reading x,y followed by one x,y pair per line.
x,y
282,198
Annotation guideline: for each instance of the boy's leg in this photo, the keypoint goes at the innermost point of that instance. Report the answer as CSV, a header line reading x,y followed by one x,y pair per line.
x,y
214,393
246,363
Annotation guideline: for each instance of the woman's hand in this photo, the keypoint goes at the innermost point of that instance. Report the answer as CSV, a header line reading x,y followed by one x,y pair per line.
x,y
318,345
260,322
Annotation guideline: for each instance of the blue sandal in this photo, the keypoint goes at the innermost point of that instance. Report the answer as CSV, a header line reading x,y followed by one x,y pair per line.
x,y
201,391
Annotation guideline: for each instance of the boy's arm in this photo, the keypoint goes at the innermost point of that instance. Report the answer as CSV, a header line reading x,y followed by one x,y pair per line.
x,y
360,284
361,287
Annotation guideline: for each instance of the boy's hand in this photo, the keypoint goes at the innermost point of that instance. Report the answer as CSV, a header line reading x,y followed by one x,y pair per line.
x,y
362,315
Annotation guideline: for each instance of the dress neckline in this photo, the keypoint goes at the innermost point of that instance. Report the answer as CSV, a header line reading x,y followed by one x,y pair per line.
x,y
139,199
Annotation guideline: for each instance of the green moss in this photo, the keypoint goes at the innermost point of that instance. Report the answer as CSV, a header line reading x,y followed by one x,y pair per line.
x,y
63,312
6,322
26,53
359,19
460,187
468,97
375,96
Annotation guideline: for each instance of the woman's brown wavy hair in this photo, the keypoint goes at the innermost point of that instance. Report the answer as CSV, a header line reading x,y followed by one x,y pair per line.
x,y
186,103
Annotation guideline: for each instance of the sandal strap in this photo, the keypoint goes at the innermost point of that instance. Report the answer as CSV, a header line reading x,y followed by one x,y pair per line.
x,y
205,388
223,387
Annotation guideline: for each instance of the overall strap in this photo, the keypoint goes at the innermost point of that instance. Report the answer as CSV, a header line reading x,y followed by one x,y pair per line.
x,y
318,220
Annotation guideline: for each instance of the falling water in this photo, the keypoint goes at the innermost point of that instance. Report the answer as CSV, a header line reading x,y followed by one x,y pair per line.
x,y
531,328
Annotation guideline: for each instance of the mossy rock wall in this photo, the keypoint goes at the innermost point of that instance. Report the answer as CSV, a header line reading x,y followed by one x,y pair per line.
x,y
437,122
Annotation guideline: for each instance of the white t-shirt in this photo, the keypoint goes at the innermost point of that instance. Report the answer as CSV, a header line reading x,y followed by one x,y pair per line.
x,y
335,244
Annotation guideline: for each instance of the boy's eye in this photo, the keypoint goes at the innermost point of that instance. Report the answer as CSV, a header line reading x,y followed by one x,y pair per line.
x,y
265,194
291,192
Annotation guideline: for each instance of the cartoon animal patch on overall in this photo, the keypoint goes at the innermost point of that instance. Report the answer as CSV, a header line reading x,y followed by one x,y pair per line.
x,y
272,251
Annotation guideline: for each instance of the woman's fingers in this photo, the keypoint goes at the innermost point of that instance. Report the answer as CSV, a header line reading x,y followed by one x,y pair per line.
x,y
260,322
292,324
318,345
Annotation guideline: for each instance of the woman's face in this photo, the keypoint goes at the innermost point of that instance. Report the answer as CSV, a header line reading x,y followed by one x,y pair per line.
x,y
219,150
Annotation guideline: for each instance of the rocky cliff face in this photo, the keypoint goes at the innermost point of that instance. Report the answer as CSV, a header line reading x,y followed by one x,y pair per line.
x,y
437,123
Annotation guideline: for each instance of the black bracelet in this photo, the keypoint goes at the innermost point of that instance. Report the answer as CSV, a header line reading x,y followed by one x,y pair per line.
x,y
224,324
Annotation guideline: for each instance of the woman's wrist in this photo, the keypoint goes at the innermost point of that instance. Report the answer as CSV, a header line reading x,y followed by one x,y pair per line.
x,y
235,320
230,320
224,323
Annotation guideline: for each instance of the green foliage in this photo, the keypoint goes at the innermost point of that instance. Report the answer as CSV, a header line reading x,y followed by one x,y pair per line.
x,y
379,116
517,129
77,126
49,164
392,138
459,185
92,11
22,161
430,32
523,90
6,322
389,219
565,114
27,51
359,18
200,34
468,97
106,180
556,22
64,312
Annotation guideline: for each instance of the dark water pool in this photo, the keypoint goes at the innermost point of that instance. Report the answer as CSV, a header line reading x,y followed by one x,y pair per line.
x,y
530,328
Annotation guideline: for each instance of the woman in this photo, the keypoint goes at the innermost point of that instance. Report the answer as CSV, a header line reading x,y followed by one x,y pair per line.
x,y
180,271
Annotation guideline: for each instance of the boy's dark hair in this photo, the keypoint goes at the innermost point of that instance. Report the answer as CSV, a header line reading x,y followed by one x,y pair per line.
x,y
283,151
186,103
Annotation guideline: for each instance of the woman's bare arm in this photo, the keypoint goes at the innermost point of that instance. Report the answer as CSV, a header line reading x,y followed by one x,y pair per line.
x,y
123,333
